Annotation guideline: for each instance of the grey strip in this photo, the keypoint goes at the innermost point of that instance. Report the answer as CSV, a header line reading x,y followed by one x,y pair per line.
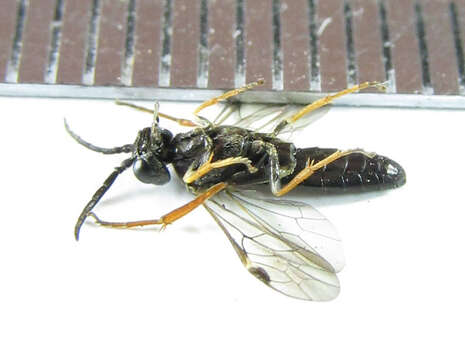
x,y
351,67
458,46
275,97
386,43
314,54
202,70
277,51
129,45
240,52
15,59
53,56
424,58
92,43
165,61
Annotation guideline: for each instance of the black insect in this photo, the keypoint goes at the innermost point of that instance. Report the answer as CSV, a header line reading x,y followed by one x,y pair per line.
x,y
287,245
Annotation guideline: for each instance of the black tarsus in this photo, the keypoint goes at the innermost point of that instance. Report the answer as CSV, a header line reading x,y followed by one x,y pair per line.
x,y
128,148
99,193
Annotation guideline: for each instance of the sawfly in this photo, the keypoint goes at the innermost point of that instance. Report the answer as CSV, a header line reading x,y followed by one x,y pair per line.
x,y
288,245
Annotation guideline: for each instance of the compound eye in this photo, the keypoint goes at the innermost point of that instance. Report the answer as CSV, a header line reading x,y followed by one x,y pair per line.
x,y
167,136
150,170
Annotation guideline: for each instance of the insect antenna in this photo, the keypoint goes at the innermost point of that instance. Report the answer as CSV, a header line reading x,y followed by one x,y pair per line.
x,y
99,194
128,148
156,120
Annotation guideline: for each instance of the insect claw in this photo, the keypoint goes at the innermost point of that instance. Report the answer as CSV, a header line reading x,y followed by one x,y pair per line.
x,y
310,163
95,217
382,86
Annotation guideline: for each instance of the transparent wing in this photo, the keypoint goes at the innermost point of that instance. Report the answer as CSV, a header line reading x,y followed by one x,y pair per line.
x,y
288,245
265,118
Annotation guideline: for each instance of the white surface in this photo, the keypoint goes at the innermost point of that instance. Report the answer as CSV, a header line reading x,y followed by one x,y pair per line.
x,y
182,293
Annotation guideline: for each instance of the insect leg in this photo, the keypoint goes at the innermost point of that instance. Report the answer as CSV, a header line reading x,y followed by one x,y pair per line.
x,y
324,101
170,217
180,121
192,175
227,95
99,194
310,169
274,169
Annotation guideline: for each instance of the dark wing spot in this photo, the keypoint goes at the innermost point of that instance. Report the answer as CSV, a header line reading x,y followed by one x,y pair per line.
x,y
260,274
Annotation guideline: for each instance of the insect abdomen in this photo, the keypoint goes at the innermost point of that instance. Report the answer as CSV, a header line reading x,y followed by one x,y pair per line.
x,y
357,170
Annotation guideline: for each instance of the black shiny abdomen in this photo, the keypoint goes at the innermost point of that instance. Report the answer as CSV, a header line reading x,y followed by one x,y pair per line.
x,y
356,170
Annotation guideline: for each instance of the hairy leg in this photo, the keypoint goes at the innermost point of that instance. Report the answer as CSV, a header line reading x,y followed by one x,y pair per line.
x,y
324,101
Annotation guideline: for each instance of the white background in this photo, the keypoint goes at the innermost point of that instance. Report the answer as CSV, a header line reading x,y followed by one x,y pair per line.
x,y
182,293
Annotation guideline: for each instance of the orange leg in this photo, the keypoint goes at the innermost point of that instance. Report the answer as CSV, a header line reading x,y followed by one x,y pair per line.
x,y
170,217
324,101
191,175
227,95
311,167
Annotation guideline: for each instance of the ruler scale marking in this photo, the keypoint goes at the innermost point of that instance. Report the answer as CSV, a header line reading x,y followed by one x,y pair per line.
x,y
110,49
259,42
8,26
423,48
297,57
74,35
36,41
239,35
147,46
302,48
442,59
129,45
404,47
457,14
202,68
165,60
389,72
88,76
314,53
222,40
352,75
185,43
54,51
331,31
367,44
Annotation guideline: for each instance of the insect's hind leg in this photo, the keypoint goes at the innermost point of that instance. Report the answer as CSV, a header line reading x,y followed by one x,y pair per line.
x,y
324,101
168,218
310,169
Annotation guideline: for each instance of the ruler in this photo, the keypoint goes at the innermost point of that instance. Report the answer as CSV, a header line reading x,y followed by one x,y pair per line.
x,y
195,49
